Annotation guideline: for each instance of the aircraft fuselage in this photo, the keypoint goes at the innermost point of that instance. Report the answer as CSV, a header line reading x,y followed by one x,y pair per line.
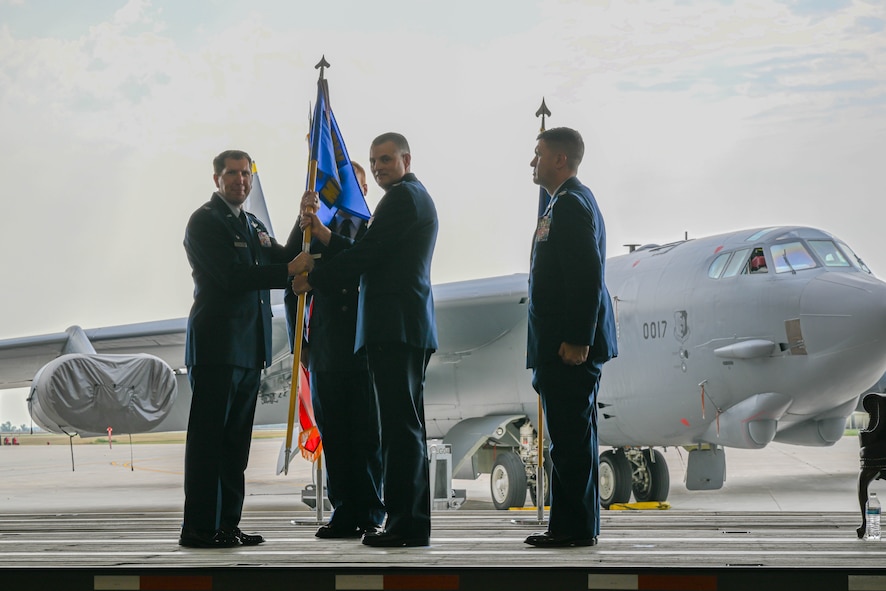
x,y
713,350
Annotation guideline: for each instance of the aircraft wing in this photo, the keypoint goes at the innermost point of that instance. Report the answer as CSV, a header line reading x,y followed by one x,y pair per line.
x,y
21,358
470,315
473,314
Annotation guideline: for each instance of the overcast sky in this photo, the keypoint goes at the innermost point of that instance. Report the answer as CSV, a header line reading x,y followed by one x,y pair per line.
x,y
698,116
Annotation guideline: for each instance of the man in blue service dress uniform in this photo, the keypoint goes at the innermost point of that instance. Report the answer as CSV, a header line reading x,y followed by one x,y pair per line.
x,y
395,324
234,263
341,391
571,335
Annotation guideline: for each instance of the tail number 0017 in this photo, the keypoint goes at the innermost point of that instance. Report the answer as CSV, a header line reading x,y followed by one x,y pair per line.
x,y
655,330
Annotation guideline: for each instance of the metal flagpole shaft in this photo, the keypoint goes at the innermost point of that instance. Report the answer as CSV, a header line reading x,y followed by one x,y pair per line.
x,y
297,337
540,474
299,326
319,506
540,465
542,112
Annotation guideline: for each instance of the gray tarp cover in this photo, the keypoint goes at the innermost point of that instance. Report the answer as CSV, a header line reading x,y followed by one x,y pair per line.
x,y
86,394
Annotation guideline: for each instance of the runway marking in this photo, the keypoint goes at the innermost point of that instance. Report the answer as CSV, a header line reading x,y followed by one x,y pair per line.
x,y
137,466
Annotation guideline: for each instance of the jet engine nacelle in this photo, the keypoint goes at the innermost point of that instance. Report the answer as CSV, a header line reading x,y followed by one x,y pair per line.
x,y
87,393
750,424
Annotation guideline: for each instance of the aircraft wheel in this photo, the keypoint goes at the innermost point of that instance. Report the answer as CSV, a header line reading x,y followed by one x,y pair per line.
x,y
547,486
652,481
507,481
615,478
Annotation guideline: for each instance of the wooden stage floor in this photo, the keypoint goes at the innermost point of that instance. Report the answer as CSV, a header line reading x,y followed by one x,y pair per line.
x,y
469,550
786,519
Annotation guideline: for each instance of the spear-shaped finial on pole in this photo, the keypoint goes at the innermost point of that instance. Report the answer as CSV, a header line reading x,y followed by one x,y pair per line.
x,y
542,112
541,480
322,64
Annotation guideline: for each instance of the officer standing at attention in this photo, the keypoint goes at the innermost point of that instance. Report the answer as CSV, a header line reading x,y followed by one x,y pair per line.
x,y
571,335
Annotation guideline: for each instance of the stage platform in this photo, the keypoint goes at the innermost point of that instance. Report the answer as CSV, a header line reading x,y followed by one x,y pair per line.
x,y
786,519
470,550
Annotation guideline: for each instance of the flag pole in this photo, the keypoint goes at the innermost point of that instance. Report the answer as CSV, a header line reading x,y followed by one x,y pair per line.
x,y
300,312
540,424
540,472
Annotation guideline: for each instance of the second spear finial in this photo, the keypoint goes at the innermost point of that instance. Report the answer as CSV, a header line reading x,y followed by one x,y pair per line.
x,y
542,112
322,64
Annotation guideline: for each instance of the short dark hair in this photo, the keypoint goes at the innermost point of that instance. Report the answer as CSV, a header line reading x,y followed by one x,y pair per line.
x,y
568,140
398,139
218,163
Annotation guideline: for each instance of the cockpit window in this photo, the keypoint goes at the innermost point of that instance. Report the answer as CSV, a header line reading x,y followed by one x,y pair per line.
x,y
757,235
854,258
718,265
791,257
757,262
737,263
829,254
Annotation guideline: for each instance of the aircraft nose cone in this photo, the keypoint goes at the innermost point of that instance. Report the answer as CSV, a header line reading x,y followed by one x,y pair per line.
x,y
843,315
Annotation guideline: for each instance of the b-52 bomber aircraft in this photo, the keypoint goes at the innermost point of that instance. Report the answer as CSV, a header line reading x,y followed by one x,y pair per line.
x,y
733,340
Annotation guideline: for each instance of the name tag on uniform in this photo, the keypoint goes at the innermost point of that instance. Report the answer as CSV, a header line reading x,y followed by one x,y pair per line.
x,y
241,245
264,239
543,229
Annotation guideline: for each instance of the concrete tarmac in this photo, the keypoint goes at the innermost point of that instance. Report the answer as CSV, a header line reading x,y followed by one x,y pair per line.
x,y
148,477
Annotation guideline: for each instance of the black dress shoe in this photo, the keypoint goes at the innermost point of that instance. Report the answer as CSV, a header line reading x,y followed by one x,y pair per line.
x,y
330,532
370,529
217,540
392,540
244,538
549,540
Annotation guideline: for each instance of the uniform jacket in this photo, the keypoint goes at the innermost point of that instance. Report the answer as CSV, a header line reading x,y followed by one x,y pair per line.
x,y
333,322
393,261
233,269
568,299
